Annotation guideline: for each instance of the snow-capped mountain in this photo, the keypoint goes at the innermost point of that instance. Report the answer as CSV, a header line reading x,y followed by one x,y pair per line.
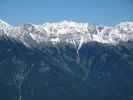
x,y
69,32
66,61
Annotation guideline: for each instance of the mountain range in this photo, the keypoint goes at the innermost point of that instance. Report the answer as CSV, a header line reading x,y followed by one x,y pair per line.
x,y
66,61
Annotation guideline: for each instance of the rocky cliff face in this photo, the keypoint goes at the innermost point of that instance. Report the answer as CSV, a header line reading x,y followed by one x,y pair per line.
x,y
66,61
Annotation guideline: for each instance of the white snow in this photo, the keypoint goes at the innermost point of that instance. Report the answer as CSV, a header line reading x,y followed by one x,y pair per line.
x,y
69,32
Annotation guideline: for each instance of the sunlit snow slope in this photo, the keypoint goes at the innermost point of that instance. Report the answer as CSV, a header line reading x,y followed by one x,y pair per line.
x,y
67,31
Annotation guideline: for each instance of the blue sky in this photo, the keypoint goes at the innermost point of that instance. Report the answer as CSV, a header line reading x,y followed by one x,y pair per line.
x,y
105,12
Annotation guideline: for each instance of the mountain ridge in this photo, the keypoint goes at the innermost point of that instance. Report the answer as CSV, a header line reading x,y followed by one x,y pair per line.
x,y
68,32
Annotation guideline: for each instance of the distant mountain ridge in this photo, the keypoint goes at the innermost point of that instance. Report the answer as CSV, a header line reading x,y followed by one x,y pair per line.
x,y
68,32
